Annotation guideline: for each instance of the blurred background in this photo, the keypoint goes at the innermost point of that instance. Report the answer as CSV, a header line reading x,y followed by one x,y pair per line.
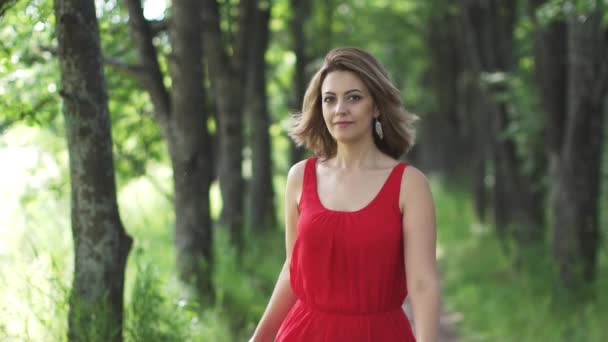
x,y
143,153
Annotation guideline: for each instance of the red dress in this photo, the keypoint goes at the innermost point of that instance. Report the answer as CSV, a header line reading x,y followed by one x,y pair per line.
x,y
347,269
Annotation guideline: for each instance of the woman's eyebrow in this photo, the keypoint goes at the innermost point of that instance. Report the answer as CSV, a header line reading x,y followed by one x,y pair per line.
x,y
346,92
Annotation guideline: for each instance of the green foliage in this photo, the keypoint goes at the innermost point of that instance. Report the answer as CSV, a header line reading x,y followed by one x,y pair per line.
x,y
91,321
5,5
136,136
28,76
243,289
151,316
497,301
393,31
30,82
35,264
34,300
517,91
562,9
158,307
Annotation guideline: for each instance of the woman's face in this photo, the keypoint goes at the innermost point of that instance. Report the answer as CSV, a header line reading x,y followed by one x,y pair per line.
x,y
348,107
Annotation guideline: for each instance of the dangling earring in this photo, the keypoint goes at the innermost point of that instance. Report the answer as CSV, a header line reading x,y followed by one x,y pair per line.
x,y
379,129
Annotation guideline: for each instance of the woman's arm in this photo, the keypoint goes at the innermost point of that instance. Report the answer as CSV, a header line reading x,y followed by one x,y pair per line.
x,y
419,241
282,298
280,302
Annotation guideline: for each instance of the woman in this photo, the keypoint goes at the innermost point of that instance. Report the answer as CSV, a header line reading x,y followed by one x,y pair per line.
x,y
360,225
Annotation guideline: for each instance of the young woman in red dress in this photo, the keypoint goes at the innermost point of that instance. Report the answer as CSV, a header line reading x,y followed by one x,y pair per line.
x,y
360,224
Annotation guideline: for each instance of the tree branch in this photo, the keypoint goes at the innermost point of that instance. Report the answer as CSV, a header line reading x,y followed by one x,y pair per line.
x,y
158,26
222,68
135,70
142,37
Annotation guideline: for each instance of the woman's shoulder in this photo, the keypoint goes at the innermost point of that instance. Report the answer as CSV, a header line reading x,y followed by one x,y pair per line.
x,y
412,176
295,176
295,181
297,170
414,185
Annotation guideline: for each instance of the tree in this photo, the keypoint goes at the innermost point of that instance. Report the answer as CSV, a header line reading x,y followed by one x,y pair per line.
x,y
227,73
453,131
180,113
101,245
571,53
261,194
299,16
518,201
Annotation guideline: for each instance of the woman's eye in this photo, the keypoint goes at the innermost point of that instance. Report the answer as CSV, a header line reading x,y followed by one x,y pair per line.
x,y
354,98
327,99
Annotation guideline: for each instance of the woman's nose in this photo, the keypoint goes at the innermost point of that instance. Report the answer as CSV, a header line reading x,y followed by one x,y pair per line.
x,y
341,107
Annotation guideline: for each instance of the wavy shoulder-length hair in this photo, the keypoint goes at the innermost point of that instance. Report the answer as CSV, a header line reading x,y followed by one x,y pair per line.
x,y
309,128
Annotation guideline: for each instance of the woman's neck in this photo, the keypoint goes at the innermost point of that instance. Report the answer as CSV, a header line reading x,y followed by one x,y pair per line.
x,y
356,156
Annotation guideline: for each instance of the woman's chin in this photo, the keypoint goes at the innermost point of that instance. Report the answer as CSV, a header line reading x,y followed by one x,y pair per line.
x,y
343,138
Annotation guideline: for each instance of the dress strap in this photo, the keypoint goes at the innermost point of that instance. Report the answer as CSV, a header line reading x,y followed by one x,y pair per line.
x,y
393,185
309,183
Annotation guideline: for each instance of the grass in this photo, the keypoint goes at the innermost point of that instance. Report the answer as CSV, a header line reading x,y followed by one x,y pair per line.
x,y
36,262
34,303
498,302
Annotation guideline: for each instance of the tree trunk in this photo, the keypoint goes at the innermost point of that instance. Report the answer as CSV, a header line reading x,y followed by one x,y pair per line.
x,y
190,148
518,200
101,245
261,193
182,118
228,76
299,15
456,137
447,131
550,54
572,75
575,213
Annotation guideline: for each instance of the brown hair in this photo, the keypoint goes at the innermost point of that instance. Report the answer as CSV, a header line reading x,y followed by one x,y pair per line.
x,y
397,124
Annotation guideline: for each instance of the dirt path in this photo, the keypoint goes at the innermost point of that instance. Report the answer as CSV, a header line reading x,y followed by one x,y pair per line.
x,y
447,326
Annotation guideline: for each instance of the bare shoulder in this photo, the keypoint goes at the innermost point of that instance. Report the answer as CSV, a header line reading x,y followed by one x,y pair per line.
x,y
295,178
415,187
414,177
296,173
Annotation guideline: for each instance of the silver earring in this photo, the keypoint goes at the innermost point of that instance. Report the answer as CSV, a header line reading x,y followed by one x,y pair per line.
x,y
379,129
